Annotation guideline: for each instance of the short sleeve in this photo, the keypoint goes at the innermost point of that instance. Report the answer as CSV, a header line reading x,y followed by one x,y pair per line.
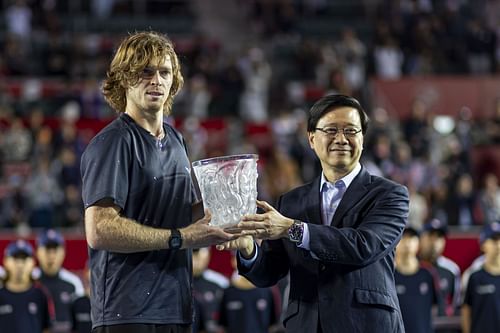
x,y
105,168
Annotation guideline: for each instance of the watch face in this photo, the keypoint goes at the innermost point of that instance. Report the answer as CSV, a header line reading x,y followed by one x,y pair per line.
x,y
175,243
295,232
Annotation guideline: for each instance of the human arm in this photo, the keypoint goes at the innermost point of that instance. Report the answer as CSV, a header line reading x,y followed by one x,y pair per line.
x,y
368,224
107,229
466,318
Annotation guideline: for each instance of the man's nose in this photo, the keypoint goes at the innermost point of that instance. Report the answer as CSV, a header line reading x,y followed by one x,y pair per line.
x,y
340,137
156,79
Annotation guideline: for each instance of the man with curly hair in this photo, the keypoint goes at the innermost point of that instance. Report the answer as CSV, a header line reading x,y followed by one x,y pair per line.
x,y
142,213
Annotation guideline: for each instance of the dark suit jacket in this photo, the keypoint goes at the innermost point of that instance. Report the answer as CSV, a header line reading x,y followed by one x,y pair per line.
x,y
350,287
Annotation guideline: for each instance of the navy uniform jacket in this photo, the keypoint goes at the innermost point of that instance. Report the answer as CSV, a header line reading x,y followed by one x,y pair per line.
x,y
350,287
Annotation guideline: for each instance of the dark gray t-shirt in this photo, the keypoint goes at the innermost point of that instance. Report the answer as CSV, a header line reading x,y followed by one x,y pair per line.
x,y
151,181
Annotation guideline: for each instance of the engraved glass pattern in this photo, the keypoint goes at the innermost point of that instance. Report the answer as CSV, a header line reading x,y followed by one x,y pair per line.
x,y
228,187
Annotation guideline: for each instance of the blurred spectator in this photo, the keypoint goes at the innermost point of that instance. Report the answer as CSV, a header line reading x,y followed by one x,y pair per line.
x,y
230,85
300,151
432,244
16,57
14,210
406,170
381,123
388,56
246,308
419,209
43,194
489,199
379,151
91,100
280,174
480,309
492,125
462,206
102,8
62,285
416,128
25,305
71,210
196,138
18,20
352,51
208,288
415,285
327,62
16,145
80,307
476,265
68,167
198,97
56,57
256,73
43,146
481,47
67,134
439,202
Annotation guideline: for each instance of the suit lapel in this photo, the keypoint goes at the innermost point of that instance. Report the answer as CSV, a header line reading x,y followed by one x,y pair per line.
x,y
313,207
353,195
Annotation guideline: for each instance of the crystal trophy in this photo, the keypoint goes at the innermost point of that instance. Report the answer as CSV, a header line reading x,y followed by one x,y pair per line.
x,y
228,187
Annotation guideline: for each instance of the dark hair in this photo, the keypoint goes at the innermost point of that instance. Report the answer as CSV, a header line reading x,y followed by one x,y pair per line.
x,y
330,102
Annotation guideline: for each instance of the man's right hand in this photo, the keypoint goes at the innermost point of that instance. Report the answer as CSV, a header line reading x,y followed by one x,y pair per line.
x,y
201,234
244,244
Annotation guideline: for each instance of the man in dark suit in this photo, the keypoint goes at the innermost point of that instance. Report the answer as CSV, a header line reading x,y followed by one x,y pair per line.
x,y
335,236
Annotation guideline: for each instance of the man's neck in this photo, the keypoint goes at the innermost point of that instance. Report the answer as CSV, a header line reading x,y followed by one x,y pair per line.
x,y
492,267
150,121
18,286
407,265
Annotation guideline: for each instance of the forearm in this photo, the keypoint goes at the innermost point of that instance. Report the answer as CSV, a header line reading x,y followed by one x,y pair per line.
x,y
466,318
107,230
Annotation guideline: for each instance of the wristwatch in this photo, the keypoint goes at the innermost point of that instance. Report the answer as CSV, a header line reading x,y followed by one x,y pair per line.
x,y
296,231
175,240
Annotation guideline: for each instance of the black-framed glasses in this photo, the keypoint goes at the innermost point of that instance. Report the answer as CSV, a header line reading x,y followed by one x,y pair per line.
x,y
333,131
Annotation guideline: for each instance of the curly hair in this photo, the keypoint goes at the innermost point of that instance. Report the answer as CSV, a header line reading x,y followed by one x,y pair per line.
x,y
134,53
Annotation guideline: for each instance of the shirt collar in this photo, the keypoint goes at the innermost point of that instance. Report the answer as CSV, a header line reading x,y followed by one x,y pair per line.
x,y
347,179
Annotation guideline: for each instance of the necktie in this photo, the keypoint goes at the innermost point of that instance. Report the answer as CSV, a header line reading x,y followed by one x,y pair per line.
x,y
332,194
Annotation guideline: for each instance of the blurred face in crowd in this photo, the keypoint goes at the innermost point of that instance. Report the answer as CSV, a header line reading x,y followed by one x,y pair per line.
x,y
338,151
431,245
491,249
201,259
50,258
19,268
407,246
150,93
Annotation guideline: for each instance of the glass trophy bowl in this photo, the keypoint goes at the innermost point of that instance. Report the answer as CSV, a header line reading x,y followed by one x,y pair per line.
x,y
228,187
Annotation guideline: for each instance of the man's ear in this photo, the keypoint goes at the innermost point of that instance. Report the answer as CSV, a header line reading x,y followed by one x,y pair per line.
x,y
311,138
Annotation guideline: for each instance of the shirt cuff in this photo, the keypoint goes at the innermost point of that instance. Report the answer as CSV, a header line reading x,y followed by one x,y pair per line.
x,y
247,263
305,241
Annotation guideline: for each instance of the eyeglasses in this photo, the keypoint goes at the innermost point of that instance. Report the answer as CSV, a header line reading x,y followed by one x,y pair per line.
x,y
333,131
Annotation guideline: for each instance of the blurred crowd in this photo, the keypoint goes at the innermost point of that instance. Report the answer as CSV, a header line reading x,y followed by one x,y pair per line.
x,y
259,96
254,100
